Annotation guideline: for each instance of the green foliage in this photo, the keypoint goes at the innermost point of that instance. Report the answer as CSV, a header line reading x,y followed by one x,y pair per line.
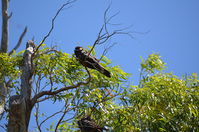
x,y
9,66
152,64
160,102
10,69
163,103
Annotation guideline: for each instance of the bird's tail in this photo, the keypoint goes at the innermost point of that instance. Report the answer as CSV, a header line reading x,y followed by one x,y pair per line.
x,y
102,70
105,72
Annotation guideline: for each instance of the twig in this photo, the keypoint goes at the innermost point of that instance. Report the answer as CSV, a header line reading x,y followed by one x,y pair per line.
x,y
104,35
69,118
106,50
60,120
49,117
3,127
37,118
96,41
19,41
52,24
38,84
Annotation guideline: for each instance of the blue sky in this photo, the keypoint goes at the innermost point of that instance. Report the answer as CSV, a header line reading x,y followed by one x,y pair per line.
x,y
171,25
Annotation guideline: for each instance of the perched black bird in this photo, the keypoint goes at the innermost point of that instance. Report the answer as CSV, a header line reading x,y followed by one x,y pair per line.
x,y
87,124
90,61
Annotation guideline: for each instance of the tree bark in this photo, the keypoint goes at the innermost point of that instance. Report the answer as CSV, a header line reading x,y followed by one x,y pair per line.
x,y
5,17
3,48
20,106
3,93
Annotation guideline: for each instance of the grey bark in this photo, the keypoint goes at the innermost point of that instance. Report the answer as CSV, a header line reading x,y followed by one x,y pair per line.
x,y
20,106
3,93
5,17
3,48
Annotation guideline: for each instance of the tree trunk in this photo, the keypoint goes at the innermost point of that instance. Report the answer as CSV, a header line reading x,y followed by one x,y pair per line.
x,y
19,114
3,49
4,35
3,93
20,106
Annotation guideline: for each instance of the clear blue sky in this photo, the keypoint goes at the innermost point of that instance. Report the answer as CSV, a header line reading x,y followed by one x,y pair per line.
x,y
172,25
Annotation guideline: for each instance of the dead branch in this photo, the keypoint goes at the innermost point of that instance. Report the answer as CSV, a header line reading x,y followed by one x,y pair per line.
x,y
27,70
19,41
104,34
106,49
53,23
4,35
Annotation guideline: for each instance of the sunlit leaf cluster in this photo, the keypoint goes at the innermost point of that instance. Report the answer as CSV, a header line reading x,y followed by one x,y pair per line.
x,y
9,65
152,64
165,102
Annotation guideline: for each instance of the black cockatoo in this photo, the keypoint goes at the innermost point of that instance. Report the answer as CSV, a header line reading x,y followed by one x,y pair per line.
x,y
90,61
87,124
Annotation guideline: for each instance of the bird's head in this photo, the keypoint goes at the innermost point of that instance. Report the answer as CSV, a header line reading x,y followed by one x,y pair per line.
x,y
78,48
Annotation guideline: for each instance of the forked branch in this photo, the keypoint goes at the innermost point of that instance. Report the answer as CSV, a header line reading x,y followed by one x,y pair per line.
x,y
104,34
106,49
50,92
53,22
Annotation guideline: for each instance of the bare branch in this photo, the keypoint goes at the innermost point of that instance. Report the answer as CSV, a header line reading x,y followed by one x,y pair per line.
x,y
96,41
4,37
104,27
110,18
104,34
3,127
106,50
53,22
19,41
64,111
39,125
60,120
50,117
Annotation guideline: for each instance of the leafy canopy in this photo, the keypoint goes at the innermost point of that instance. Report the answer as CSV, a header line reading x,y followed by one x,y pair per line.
x,y
160,102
